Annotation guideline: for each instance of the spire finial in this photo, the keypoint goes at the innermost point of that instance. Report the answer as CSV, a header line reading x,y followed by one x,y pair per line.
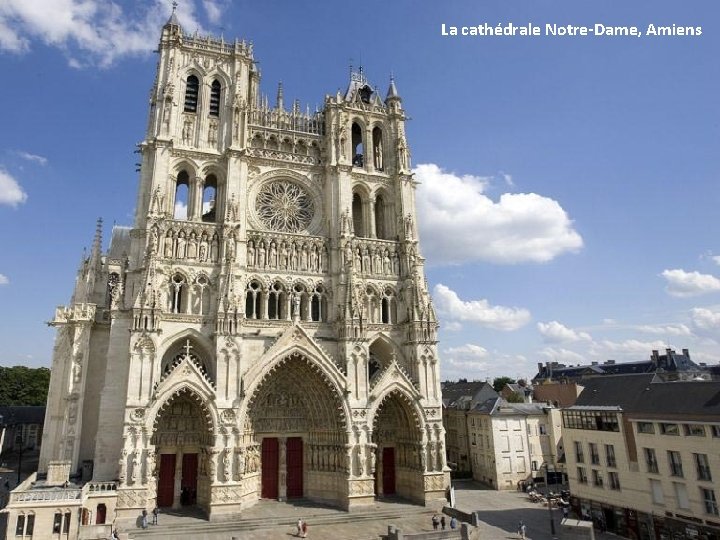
x,y
174,6
280,102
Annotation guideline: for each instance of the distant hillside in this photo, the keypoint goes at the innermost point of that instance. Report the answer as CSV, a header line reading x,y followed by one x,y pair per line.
x,y
20,385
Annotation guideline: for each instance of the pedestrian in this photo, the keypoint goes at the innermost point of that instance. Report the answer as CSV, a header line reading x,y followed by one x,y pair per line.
x,y
453,523
442,522
304,529
114,535
566,511
299,527
521,530
144,519
156,511
435,521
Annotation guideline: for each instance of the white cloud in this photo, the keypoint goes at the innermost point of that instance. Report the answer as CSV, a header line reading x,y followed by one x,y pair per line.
x,y
10,191
629,349
667,329
478,311
555,332
214,10
705,320
683,284
459,223
716,258
563,356
452,326
467,361
96,30
4,280
33,157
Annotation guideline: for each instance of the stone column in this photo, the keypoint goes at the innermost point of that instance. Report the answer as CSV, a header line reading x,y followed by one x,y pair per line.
x,y
282,466
371,212
177,490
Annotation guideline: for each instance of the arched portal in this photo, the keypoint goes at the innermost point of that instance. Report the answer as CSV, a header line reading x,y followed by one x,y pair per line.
x,y
400,460
296,422
183,437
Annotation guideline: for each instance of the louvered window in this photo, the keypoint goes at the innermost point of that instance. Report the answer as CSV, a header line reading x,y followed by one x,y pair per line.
x,y
215,99
191,94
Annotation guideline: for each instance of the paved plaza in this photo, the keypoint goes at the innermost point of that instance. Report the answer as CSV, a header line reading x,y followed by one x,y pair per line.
x,y
499,512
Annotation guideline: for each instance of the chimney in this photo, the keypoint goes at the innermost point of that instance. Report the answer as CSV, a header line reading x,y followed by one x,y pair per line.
x,y
593,363
655,358
686,352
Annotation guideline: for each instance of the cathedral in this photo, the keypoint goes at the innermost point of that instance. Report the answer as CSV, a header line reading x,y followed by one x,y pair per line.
x,y
264,330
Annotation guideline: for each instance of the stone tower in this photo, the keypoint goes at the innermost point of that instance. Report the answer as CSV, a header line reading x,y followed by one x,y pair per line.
x,y
264,329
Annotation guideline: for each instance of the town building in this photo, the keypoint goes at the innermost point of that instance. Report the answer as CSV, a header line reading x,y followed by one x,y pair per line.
x,y
671,365
643,456
264,329
20,428
458,398
514,444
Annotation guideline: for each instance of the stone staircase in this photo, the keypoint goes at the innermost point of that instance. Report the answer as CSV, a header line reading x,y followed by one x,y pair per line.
x,y
281,519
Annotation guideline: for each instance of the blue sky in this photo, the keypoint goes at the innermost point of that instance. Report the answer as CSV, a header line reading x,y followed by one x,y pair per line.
x,y
569,186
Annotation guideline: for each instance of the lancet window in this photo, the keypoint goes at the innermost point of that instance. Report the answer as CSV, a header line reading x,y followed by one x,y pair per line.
x,y
201,296
192,88
253,300
277,302
182,195
358,152
318,304
209,199
215,90
371,304
380,218
388,307
357,213
113,283
378,149
178,294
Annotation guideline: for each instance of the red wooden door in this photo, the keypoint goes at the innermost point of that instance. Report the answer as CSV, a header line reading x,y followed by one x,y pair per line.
x,y
270,462
294,467
388,458
166,480
188,483
100,514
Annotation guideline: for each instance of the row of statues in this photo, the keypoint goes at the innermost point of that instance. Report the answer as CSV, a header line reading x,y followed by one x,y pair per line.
x,y
309,256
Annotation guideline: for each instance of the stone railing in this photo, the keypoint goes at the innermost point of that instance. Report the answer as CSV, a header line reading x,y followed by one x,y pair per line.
x,y
100,487
313,124
76,312
45,494
287,252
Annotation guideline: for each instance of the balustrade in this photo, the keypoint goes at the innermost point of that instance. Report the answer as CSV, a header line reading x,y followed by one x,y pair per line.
x,y
313,124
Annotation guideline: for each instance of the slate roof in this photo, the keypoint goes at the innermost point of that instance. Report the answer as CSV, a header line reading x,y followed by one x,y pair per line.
x,y
13,415
499,407
455,394
119,243
647,394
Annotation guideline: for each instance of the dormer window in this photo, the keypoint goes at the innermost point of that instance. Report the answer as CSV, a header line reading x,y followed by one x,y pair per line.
x,y
191,94
215,98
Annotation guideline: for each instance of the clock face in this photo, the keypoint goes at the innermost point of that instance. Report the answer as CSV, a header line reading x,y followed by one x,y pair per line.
x,y
284,206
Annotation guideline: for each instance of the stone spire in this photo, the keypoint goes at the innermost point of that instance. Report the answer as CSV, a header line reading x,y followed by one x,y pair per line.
x,y
392,89
280,102
173,20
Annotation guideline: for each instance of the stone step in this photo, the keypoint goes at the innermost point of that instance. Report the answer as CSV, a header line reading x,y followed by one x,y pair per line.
x,y
186,527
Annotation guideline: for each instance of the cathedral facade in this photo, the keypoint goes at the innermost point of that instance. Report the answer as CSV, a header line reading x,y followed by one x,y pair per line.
x,y
264,330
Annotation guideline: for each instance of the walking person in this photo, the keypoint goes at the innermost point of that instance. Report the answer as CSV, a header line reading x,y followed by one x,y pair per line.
x,y
442,522
453,523
435,521
304,529
156,511
299,528
144,519
522,530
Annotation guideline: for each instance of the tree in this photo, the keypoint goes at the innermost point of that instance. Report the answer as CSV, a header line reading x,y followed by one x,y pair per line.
x,y
500,382
21,385
515,397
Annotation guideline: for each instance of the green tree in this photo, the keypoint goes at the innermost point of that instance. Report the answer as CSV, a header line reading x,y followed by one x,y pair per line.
x,y
21,385
515,398
500,382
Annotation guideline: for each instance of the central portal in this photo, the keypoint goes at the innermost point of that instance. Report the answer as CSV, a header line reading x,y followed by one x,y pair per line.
x,y
273,468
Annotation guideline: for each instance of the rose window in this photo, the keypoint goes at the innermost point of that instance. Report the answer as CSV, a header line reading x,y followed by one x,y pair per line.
x,y
284,206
